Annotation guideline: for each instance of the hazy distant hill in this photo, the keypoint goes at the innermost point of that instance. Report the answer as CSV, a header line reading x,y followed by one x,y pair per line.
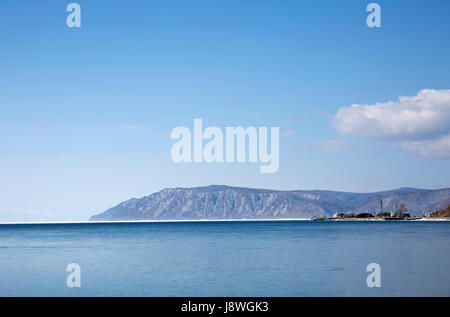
x,y
224,202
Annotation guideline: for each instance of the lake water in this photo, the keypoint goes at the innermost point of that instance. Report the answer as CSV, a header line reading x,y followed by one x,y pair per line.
x,y
291,258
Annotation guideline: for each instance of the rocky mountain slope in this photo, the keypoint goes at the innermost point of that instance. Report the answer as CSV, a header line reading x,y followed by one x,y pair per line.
x,y
224,202
443,213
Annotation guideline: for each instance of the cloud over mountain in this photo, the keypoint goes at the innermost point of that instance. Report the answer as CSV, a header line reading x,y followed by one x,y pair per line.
x,y
439,148
421,123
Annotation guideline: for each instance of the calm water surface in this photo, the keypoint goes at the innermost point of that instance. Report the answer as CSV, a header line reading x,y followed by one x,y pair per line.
x,y
301,258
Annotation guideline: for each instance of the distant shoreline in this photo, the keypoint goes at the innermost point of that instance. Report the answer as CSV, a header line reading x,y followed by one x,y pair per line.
x,y
387,220
154,221
214,220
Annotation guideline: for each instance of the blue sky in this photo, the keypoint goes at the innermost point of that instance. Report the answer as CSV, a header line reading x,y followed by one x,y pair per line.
x,y
86,113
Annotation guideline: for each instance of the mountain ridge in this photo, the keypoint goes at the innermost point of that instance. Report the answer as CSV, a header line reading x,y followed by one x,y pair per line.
x,y
228,202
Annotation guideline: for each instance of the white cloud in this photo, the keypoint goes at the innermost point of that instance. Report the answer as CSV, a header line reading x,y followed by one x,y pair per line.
x,y
421,123
439,148
332,146
421,116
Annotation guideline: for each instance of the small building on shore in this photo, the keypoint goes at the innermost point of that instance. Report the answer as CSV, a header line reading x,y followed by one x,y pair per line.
x,y
364,215
384,214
